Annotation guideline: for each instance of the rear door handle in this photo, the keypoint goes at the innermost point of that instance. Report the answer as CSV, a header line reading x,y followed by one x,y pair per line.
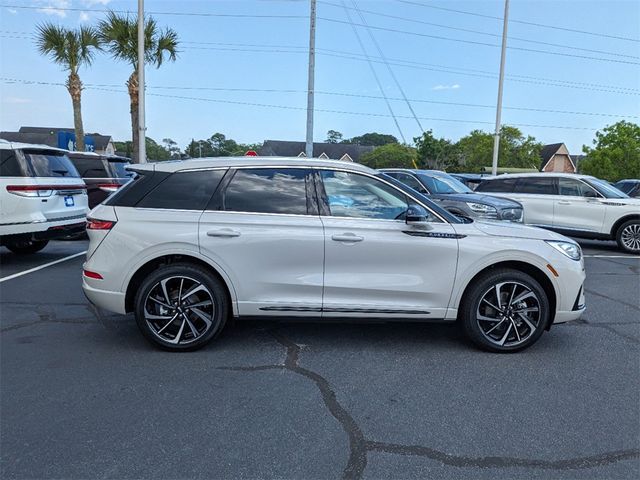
x,y
223,232
564,202
347,237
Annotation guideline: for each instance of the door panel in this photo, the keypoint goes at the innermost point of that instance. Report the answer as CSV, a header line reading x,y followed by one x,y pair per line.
x,y
575,211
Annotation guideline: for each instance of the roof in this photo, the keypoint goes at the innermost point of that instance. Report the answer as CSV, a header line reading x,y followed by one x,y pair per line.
x,y
9,145
281,148
435,173
540,174
547,153
49,136
212,162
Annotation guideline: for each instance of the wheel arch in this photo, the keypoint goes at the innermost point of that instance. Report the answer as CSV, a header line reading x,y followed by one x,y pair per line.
x,y
539,275
174,258
620,221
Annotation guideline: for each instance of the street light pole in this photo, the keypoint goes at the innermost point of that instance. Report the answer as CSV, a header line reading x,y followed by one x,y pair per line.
x,y
312,66
142,129
496,137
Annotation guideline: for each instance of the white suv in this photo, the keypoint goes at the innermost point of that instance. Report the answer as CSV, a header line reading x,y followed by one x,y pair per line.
x,y
41,196
186,245
576,205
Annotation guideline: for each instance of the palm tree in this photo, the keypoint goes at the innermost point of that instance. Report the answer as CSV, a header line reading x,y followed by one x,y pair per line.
x,y
71,49
119,34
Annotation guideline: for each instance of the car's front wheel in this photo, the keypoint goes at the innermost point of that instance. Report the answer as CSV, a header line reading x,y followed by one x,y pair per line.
x,y
181,307
628,236
504,311
24,247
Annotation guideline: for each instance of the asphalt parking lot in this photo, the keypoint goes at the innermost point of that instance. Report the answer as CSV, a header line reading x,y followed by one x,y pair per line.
x,y
83,395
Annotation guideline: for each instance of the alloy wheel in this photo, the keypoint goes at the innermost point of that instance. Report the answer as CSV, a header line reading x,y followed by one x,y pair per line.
x,y
630,236
179,310
508,314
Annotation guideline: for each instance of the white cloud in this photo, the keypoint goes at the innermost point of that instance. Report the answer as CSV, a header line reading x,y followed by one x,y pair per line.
x,y
16,100
55,7
455,86
83,17
91,3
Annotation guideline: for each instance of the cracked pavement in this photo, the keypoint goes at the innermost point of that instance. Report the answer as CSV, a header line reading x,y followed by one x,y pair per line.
x,y
83,395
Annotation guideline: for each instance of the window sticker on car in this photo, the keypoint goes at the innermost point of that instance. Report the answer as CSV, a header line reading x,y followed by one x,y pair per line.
x,y
68,201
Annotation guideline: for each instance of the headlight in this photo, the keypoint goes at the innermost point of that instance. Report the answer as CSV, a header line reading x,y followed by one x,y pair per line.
x,y
511,214
483,211
570,249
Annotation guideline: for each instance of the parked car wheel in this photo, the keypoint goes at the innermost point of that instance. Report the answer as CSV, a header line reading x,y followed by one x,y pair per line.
x,y
628,236
25,247
505,311
181,307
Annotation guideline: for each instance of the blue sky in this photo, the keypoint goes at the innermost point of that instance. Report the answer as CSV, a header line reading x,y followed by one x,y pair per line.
x,y
223,56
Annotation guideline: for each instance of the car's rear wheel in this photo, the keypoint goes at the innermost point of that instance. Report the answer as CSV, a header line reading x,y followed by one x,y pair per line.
x,y
181,307
505,311
24,247
628,236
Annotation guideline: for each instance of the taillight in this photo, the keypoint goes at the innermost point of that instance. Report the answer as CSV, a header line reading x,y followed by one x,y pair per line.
x,y
41,190
109,187
96,224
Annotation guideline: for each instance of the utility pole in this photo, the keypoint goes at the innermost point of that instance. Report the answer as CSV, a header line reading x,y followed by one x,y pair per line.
x,y
496,138
142,129
200,148
312,67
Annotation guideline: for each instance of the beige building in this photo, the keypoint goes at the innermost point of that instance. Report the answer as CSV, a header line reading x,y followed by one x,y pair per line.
x,y
556,158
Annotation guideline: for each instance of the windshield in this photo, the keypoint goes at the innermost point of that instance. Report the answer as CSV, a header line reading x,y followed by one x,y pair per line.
x,y
118,170
44,163
609,191
443,184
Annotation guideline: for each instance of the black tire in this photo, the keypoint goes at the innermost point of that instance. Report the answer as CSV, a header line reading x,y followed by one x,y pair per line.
x,y
478,298
628,236
26,247
187,340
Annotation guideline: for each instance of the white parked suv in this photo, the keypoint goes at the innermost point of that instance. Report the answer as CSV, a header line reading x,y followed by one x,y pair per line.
x,y
186,245
41,196
575,205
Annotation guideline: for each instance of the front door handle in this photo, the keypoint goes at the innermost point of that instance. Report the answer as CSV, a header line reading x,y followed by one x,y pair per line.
x,y
223,232
347,237
564,202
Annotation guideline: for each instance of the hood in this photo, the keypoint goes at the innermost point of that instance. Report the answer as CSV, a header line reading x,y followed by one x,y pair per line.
x,y
497,202
515,230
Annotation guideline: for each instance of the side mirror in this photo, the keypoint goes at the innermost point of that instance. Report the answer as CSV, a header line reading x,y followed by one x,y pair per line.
x,y
416,215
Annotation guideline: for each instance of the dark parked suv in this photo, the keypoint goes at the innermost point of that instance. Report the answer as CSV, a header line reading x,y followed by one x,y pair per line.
x,y
631,187
456,197
103,174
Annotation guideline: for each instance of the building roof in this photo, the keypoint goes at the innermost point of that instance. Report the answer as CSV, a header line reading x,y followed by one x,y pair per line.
x,y
332,150
264,161
547,152
49,136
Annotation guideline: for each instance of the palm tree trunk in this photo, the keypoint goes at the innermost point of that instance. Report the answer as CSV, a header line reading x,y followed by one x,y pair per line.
x,y
74,85
132,85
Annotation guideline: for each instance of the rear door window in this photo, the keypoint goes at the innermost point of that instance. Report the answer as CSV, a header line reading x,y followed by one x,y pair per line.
x,y
89,167
44,163
269,190
184,190
536,186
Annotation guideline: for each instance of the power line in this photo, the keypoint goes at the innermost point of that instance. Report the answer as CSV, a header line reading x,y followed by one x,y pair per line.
x,y
375,75
478,32
109,87
188,14
535,24
474,42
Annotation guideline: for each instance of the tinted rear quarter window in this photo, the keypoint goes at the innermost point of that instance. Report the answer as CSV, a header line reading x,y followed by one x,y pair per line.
x,y
184,191
536,186
268,190
503,185
117,169
11,165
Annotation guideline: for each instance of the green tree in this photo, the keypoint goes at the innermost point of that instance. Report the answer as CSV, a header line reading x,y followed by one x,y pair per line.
x,y
333,136
616,153
71,49
436,153
155,151
373,139
171,147
119,35
393,155
515,150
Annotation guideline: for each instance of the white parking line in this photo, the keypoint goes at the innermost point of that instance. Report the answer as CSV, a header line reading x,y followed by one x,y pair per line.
x,y
35,269
613,256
